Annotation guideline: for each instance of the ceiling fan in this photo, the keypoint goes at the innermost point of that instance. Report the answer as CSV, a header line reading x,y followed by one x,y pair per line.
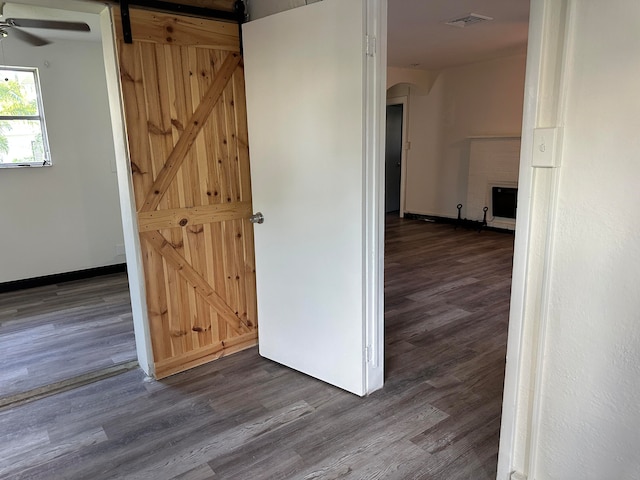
x,y
14,26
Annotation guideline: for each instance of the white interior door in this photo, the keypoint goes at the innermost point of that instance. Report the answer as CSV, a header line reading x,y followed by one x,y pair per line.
x,y
305,72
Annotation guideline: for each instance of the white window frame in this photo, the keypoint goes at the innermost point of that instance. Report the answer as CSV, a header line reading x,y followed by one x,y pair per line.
x,y
39,118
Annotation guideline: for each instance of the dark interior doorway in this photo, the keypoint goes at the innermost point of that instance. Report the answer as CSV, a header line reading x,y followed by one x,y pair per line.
x,y
393,158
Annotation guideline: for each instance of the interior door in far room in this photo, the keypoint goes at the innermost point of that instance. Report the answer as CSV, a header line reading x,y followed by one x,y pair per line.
x,y
183,92
393,158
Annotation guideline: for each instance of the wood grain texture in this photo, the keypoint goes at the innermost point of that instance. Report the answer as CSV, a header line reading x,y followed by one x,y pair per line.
x,y
158,27
57,332
244,417
188,135
184,104
177,262
183,217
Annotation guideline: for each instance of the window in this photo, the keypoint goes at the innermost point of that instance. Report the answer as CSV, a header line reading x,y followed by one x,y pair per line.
x,y
23,136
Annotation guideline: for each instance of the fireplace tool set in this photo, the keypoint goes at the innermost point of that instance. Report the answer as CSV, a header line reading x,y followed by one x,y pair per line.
x,y
463,222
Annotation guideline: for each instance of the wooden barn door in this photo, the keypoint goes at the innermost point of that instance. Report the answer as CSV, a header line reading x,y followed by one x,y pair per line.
x,y
184,102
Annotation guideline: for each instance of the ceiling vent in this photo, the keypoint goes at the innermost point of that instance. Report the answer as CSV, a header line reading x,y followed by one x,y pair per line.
x,y
467,20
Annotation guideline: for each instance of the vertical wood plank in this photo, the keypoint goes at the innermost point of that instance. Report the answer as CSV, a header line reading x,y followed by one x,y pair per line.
x,y
136,113
242,134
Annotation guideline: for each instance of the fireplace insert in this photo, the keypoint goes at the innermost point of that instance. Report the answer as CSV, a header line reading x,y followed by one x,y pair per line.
x,y
504,202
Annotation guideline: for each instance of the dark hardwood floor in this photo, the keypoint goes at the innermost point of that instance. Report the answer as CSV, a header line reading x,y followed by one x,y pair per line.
x,y
243,417
53,333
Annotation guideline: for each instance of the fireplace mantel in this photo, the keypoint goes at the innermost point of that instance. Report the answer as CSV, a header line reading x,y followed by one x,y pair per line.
x,y
490,137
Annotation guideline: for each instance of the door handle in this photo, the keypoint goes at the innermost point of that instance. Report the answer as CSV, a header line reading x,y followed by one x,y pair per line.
x,y
257,218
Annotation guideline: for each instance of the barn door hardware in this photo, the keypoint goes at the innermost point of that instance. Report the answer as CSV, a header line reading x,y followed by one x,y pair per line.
x,y
238,15
126,21
241,17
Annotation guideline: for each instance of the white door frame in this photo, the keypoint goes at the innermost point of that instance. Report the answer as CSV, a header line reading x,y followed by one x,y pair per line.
x,y
375,92
135,268
544,97
404,101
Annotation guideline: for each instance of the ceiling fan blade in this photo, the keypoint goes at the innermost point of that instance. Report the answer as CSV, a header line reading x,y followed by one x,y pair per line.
x,y
51,24
29,38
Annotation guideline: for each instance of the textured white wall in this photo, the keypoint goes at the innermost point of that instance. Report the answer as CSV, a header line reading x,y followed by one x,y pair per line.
x,y
262,8
65,217
590,409
421,80
483,98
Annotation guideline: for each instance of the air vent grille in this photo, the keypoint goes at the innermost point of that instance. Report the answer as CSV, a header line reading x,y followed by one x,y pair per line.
x,y
467,20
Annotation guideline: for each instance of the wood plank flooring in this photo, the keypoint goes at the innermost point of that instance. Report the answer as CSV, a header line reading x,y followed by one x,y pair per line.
x,y
244,417
56,332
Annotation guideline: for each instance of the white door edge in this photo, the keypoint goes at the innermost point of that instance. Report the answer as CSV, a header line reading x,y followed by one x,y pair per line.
x,y
514,430
375,110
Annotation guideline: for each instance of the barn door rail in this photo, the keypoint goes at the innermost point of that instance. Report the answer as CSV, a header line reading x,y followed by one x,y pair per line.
x,y
238,15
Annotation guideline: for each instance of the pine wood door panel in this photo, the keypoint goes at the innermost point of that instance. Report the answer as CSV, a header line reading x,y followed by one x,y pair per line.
x,y
184,101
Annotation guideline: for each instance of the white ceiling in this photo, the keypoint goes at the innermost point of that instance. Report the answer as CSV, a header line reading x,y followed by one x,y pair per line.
x,y
417,33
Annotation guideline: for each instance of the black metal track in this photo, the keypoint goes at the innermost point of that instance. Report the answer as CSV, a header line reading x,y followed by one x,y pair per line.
x,y
185,9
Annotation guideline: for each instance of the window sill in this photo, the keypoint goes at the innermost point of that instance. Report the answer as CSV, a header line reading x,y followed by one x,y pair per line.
x,y
24,165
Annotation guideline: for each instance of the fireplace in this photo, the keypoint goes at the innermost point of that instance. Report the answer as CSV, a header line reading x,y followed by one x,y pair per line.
x,y
504,201
492,180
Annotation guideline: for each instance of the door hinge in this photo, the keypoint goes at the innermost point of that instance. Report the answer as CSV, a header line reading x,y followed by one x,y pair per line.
x,y
367,354
371,45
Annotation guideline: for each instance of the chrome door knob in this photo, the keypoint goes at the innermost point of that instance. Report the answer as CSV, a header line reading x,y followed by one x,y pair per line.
x,y
257,218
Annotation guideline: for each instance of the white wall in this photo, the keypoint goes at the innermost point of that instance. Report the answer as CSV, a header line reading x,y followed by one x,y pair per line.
x,y
262,8
589,419
421,80
483,98
65,217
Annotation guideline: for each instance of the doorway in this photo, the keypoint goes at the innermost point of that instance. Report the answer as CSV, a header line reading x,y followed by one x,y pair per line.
x,y
446,295
393,157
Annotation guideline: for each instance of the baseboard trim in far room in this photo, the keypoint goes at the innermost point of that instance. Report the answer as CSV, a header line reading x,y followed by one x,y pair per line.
x,y
453,221
61,277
